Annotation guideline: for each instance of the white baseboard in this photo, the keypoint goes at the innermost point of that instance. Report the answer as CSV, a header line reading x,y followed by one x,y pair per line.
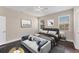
x,y
10,41
75,45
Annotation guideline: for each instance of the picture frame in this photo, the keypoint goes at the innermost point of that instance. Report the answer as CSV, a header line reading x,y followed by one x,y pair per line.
x,y
26,23
50,22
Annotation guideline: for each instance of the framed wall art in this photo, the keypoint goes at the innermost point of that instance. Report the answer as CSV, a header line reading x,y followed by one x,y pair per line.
x,y
26,23
50,22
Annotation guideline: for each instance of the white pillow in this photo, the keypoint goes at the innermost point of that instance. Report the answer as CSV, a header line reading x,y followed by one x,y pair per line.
x,y
30,36
52,32
37,34
43,31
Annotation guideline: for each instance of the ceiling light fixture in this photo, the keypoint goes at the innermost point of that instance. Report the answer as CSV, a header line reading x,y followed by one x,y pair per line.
x,y
39,8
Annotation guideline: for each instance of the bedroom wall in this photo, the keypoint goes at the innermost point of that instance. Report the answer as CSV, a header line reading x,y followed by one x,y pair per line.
x,y
13,25
69,34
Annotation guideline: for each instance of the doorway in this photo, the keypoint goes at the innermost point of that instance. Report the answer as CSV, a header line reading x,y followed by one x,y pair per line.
x,y
2,29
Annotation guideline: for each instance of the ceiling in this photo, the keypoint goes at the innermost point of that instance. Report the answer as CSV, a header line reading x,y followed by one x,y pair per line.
x,y
40,10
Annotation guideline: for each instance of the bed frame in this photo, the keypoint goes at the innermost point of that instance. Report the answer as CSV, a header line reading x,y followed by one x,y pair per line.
x,y
52,29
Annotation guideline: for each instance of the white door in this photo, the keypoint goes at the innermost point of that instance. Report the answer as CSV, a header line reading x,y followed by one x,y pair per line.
x,y
76,27
2,29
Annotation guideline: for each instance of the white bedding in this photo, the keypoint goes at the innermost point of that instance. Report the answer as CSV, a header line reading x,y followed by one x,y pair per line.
x,y
32,44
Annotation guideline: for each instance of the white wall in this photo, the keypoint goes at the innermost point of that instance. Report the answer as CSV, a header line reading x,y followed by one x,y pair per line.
x,y
13,23
69,34
76,27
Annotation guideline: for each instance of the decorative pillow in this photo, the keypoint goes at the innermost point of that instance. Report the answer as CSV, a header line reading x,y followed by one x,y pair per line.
x,y
37,34
43,31
41,44
37,40
30,37
52,32
25,37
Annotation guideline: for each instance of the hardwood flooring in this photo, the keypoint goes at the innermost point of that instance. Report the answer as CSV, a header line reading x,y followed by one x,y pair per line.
x,y
61,47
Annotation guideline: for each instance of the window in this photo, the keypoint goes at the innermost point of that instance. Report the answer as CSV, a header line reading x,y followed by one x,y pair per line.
x,y
64,22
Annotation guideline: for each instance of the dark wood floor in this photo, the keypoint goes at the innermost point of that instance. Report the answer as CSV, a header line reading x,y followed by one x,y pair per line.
x,y
68,47
61,47
7,47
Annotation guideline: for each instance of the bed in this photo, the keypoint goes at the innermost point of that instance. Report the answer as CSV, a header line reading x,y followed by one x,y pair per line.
x,y
51,34
36,44
48,35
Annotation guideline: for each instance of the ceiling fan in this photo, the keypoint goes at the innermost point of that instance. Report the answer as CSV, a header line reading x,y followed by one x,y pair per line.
x,y
40,8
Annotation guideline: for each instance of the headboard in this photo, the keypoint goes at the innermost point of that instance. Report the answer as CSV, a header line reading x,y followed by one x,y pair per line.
x,y
52,29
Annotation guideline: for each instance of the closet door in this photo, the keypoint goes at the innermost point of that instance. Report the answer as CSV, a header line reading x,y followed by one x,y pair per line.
x,y
2,29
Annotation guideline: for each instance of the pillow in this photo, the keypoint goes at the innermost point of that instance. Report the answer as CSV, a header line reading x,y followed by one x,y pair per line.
x,y
43,31
25,37
37,40
41,44
52,32
37,34
30,37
